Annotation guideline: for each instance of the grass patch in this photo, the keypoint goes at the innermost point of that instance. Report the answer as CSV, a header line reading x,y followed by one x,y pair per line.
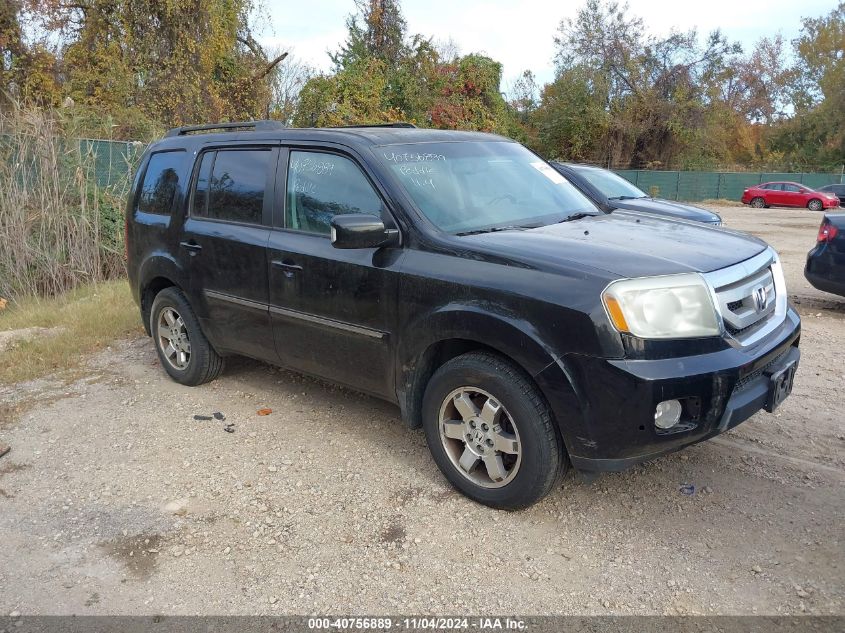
x,y
79,322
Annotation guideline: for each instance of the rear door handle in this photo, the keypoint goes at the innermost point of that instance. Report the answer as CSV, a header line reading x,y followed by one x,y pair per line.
x,y
191,246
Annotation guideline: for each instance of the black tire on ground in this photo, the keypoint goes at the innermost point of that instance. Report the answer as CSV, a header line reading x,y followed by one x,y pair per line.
x,y
204,364
543,459
815,205
758,203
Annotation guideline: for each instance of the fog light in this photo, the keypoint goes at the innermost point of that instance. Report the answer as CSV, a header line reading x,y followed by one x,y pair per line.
x,y
667,414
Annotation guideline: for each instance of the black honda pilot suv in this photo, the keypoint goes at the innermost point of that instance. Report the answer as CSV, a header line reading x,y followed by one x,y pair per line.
x,y
458,275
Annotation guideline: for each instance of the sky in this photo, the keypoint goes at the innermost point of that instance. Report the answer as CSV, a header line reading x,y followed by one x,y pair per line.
x,y
520,34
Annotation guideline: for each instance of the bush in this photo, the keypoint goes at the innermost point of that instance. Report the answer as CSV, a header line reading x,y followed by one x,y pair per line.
x,y
59,225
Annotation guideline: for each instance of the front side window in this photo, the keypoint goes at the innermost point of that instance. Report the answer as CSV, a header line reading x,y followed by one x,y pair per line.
x,y
791,188
231,185
323,185
161,183
463,187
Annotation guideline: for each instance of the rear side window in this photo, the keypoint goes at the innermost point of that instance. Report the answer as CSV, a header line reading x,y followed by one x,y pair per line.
x,y
231,185
323,185
161,183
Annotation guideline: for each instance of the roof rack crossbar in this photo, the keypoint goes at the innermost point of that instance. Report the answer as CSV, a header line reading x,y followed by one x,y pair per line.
x,y
234,125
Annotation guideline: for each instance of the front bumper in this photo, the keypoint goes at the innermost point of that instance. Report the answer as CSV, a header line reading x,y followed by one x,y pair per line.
x,y
607,422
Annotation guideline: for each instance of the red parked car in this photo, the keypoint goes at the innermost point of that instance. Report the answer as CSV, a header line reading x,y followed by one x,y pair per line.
x,y
788,194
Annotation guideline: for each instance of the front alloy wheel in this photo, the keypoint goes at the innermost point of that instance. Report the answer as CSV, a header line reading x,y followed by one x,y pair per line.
x,y
479,437
758,203
815,205
491,432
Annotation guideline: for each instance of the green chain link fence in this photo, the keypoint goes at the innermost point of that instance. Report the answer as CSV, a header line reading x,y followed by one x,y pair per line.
x,y
114,161
709,185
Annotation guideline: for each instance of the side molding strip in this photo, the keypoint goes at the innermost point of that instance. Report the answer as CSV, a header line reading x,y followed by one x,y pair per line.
x,y
255,305
338,325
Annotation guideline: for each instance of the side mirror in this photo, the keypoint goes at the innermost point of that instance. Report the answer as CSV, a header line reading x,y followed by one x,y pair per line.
x,y
361,230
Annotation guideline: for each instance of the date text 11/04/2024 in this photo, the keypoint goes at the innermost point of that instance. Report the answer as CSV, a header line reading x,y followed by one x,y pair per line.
x,y
417,623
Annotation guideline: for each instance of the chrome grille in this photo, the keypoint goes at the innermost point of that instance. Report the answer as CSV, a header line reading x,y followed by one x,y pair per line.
x,y
746,296
748,301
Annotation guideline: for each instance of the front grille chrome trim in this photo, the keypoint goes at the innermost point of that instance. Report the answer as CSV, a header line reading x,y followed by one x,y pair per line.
x,y
733,288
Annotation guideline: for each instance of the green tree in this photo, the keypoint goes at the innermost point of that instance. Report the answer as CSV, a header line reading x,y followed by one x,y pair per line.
x,y
352,96
382,75
571,119
655,91
174,62
377,30
815,135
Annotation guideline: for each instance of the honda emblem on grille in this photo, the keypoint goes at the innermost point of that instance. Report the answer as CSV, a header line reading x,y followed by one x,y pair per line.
x,y
761,299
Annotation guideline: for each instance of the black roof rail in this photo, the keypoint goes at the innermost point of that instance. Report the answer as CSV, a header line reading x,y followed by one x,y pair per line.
x,y
255,126
401,124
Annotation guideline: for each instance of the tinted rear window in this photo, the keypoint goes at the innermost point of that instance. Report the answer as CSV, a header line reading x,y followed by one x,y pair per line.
x,y
230,185
161,182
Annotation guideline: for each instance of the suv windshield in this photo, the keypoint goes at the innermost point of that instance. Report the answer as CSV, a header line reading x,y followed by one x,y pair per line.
x,y
465,187
612,186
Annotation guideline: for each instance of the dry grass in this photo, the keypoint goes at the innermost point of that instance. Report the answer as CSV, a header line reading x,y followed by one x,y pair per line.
x,y
720,202
59,226
82,321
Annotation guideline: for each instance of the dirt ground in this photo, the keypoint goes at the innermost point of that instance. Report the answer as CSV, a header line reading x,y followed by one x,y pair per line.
x,y
115,500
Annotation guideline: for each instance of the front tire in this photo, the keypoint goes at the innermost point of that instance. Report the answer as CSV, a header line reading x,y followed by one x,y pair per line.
x,y
182,348
491,433
815,205
758,203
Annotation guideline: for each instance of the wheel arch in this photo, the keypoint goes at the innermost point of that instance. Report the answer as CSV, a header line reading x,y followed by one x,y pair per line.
x,y
157,273
449,333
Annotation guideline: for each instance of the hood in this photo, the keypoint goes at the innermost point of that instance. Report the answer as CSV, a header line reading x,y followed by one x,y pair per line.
x,y
667,208
626,245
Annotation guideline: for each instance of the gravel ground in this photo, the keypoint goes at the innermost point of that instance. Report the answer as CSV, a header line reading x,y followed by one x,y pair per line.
x,y
115,500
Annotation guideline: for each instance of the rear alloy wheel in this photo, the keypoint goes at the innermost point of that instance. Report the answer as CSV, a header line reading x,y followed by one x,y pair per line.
x,y
758,203
173,339
184,351
491,433
814,205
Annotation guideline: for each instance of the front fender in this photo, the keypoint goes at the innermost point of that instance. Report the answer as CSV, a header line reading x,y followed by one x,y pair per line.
x,y
493,327
504,332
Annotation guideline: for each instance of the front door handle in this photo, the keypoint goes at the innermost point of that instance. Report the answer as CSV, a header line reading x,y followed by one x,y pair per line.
x,y
288,269
191,246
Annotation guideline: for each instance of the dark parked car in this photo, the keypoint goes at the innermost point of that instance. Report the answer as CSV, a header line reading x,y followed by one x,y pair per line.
x,y
788,194
460,276
836,190
825,267
610,191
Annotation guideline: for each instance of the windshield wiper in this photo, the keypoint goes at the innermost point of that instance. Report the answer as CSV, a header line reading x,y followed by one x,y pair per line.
x,y
495,229
578,216
626,197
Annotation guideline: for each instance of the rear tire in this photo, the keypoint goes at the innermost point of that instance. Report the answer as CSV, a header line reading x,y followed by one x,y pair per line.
x,y
758,203
182,348
815,205
491,432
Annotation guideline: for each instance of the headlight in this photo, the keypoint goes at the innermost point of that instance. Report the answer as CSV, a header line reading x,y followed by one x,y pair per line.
x,y
674,306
